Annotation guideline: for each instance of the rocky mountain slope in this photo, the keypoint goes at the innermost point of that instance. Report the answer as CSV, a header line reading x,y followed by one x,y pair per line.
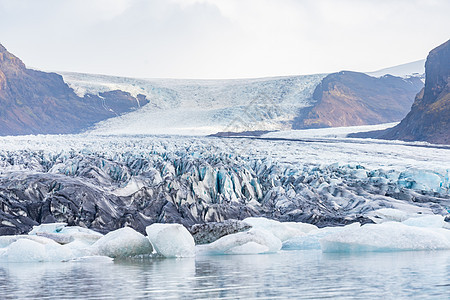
x,y
35,102
429,118
351,98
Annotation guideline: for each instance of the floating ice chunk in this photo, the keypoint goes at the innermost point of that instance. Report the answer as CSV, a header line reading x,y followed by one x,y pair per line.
x,y
430,221
389,214
311,240
63,234
254,241
29,250
283,231
303,227
59,238
24,250
389,236
171,240
85,235
47,228
7,240
123,242
93,259
249,248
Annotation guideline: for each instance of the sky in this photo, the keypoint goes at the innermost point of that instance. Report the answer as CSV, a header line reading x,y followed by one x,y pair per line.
x,y
218,39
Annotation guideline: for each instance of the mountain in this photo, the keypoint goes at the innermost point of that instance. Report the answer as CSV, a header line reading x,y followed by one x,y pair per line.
x,y
429,118
415,68
351,98
35,102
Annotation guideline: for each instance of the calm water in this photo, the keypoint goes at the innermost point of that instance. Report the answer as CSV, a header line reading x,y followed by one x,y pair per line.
x,y
286,275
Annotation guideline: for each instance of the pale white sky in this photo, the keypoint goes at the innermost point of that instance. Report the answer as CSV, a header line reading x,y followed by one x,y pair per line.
x,y
221,38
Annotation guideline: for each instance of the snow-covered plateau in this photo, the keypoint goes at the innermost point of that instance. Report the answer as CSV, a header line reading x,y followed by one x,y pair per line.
x,y
105,183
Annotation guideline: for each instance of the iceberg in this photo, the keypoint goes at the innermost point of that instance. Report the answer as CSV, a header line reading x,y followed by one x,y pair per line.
x,y
283,231
93,259
47,228
388,236
24,250
254,241
311,241
171,240
429,221
33,250
7,240
63,234
123,242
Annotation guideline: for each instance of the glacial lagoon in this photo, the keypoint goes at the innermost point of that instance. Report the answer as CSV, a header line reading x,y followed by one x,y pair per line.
x,y
283,275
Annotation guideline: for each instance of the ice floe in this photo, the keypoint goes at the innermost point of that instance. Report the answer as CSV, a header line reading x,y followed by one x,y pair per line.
x,y
417,232
388,236
254,241
282,230
123,242
171,240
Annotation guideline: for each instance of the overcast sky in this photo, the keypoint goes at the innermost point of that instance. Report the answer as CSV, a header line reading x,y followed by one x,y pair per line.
x,y
221,38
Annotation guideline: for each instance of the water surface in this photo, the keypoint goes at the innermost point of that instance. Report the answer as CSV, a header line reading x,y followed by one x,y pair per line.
x,y
286,275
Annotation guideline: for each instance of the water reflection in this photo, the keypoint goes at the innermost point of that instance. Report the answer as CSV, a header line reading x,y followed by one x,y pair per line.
x,y
293,274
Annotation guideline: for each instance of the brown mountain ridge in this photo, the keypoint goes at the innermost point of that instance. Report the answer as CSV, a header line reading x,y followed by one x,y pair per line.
x,y
35,102
351,98
429,118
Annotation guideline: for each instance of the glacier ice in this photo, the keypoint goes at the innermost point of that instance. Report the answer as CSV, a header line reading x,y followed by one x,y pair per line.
x,y
24,250
106,182
311,241
123,242
30,250
388,236
47,228
64,234
389,214
423,180
431,221
93,259
201,107
171,240
282,230
254,241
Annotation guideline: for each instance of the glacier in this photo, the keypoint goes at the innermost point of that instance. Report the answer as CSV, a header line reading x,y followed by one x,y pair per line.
x,y
200,107
61,195
104,183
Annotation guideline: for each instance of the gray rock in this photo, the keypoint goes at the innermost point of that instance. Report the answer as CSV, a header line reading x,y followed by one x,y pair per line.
x,y
209,232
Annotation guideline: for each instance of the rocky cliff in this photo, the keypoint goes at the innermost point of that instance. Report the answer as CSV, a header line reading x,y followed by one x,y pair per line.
x,y
351,98
34,102
429,118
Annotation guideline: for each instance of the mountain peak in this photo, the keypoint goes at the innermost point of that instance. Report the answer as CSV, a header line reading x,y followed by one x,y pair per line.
x,y
10,62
